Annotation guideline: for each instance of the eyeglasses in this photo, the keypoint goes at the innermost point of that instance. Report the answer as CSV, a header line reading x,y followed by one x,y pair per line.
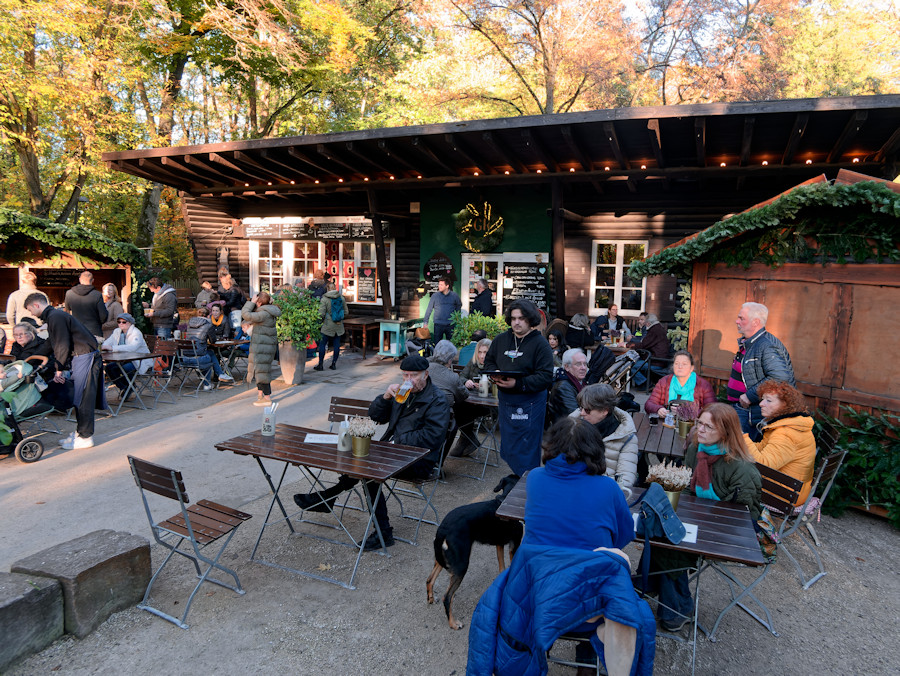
x,y
121,321
586,410
704,426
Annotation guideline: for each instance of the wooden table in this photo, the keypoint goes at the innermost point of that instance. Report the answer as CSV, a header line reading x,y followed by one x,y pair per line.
x,y
658,438
362,326
124,358
289,446
725,535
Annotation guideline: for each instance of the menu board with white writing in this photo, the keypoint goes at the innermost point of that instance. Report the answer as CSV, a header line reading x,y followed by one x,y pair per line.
x,y
366,285
326,228
525,280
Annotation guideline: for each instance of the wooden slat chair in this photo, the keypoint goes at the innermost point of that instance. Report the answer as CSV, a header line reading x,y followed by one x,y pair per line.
x,y
158,378
342,408
803,516
780,494
200,524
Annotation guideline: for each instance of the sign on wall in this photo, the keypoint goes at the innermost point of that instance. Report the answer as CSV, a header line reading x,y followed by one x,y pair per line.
x,y
319,227
526,280
439,265
366,285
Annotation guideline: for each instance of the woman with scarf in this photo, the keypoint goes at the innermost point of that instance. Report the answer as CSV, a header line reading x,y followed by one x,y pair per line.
x,y
569,382
683,383
221,324
787,443
724,471
597,405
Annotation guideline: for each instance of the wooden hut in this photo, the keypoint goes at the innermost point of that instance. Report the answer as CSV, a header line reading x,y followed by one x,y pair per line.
x,y
824,258
57,254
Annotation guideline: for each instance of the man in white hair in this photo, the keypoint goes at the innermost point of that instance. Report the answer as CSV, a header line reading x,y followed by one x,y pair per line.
x,y
760,356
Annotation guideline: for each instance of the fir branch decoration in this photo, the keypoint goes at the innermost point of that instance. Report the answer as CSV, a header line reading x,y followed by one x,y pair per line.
x,y
817,223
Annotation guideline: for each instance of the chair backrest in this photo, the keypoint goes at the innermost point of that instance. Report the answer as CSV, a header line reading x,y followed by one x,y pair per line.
x,y
458,368
827,437
341,408
150,341
780,492
827,472
158,479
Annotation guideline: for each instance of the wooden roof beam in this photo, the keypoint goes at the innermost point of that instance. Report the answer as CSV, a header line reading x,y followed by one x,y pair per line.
x,y
747,139
502,149
422,148
354,150
150,165
576,148
891,146
455,146
174,165
700,140
610,130
210,169
267,155
391,152
854,124
656,142
244,158
331,156
543,155
293,152
797,132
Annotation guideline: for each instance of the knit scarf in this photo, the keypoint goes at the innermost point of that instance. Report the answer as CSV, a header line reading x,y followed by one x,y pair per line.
x,y
684,392
701,479
577,384
222,317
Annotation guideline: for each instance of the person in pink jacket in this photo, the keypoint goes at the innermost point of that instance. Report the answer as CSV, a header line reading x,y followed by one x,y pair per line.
x,y
682,384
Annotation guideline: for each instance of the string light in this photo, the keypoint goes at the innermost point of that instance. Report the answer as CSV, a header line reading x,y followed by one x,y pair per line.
x,y
392,178
317,180
571,170
340,180
419,176
506,172
476,173
292,183
765,163
721,164
605,168
643,166
366,178
855,160
809,161
539,171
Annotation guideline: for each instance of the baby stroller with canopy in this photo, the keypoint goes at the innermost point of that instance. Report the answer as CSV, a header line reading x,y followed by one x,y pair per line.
x,y
20,401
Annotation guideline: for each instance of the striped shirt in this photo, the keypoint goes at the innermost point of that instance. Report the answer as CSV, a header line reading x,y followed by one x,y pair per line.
x,y
736,386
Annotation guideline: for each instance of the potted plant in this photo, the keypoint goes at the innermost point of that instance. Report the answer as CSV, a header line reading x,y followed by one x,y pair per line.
x,y
297,327
361,429
686,415
672,478
464,327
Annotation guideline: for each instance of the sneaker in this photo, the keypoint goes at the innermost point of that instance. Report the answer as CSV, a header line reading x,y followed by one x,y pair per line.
x,y
675,624
225,378
206,388
374,544
66,442
311,502
317,367
77,442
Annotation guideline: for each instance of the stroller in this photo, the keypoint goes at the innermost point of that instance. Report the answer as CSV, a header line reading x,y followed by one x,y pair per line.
x,y
420,343
20,401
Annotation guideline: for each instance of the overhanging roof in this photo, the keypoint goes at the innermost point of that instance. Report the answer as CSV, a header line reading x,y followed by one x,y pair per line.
x,y
623,149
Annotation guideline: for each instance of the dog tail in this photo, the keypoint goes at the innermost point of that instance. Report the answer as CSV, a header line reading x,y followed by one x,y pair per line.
x,y
439,541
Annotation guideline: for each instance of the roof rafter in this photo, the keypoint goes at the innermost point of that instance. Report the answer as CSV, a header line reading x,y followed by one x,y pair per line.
x,y
797,132
854,124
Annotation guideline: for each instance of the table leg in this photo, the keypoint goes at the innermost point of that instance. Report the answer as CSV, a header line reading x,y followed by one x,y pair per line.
x,y
365,338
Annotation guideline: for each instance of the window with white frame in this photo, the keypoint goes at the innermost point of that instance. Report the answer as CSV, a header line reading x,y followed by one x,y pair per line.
x,y
611,282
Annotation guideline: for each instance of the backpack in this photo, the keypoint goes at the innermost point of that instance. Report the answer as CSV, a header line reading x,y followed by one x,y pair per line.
x,y
337,310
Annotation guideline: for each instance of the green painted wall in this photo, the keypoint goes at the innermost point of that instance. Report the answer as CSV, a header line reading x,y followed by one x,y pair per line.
x,y
524,211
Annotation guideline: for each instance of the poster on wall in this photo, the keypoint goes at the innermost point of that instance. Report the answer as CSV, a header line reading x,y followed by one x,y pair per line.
x,y
439,265
525,280
366,285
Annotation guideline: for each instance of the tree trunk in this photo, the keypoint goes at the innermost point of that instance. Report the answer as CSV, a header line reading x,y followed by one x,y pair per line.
x,y
147,220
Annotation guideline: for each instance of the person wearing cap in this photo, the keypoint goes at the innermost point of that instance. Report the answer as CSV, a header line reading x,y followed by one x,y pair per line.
x,y
126,337
422,420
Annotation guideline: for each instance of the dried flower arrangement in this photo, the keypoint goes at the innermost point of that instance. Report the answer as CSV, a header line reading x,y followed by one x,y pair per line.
x,y
688,411
361,426
670,477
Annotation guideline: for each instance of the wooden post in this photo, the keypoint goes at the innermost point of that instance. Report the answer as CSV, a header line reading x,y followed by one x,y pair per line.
x,y
380,261
559,248
697,319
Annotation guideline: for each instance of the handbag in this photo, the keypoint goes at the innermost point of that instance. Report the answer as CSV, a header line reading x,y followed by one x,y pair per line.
x,y
422,333
656,519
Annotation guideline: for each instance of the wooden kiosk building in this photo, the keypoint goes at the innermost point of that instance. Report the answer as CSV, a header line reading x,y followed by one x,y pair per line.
x,y
581,196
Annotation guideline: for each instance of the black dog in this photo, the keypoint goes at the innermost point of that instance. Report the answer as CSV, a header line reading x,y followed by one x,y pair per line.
x,y
463,527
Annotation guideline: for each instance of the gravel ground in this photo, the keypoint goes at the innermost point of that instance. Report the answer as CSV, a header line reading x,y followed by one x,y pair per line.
x,y
846,624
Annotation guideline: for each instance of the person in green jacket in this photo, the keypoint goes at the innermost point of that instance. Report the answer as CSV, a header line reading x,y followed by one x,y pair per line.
x,y
332,310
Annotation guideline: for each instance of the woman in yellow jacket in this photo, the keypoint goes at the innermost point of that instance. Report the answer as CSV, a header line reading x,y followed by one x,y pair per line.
x,y
787,444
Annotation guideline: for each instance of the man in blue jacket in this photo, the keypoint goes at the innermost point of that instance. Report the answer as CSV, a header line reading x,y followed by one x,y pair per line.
x,y
760,356
443,303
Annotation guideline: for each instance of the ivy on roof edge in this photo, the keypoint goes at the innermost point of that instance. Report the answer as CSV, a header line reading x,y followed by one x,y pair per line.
x,y
824,213
19,232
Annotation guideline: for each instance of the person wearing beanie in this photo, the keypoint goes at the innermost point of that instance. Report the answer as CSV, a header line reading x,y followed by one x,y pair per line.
x,y
126,337
422,420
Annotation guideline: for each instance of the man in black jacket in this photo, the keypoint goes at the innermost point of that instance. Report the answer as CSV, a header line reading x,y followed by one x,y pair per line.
x,y
421,420
74,348
484,301
85,303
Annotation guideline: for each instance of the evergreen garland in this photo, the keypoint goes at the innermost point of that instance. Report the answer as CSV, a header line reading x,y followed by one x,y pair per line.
x,y
818,223
26,238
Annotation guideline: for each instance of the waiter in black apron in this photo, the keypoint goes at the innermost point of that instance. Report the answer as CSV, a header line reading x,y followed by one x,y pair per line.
x,y
526,360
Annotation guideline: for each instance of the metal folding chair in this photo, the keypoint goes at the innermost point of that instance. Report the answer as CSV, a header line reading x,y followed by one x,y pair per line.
x,y
803,516
200,524
158,379
780,494
188,364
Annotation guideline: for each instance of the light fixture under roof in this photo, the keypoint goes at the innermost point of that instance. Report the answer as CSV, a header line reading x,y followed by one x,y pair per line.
x,y
765,163
809,161
571,170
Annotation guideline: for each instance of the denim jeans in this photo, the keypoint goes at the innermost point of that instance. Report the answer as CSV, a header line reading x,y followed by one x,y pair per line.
x,y
335,346
750,418
204,362
164,332
675,602
114,373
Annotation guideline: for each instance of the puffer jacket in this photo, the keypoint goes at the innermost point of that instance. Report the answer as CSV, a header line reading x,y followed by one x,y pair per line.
x,y
659,398
263,341
329,326
789,446
199,331
622,451
546,592
765,358
164,305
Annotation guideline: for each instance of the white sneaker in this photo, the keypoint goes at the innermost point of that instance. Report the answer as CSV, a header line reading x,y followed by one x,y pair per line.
x,y
67,440
77,442
206,388
225,378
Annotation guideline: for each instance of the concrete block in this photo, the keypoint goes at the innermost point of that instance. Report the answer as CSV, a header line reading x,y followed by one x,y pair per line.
x,y
100,573
31,615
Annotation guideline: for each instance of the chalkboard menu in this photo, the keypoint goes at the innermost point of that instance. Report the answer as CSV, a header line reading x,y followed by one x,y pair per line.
x,y
325,228
436,267
366,285
525,280
65,277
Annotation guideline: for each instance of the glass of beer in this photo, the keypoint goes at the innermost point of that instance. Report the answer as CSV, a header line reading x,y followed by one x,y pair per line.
x,y
403,393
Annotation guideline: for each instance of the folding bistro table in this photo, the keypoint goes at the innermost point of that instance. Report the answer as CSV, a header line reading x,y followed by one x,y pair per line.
x,y
131,378
289,446
488,423
725,534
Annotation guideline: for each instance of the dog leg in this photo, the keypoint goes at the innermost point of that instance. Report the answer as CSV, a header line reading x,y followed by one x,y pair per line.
x,y
429,583
501,559
448,601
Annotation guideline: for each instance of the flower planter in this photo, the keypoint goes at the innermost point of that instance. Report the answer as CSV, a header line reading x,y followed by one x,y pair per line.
x,y
361,446
293,363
